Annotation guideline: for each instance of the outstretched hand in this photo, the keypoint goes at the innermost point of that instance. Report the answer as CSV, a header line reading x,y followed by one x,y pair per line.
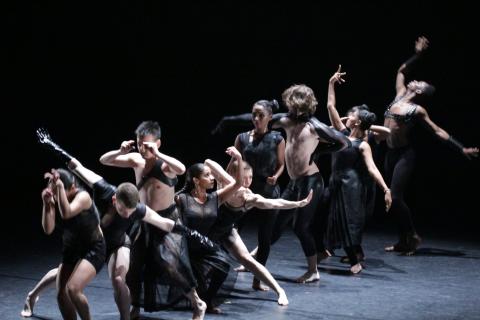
x,y
470,152
337,76
421,44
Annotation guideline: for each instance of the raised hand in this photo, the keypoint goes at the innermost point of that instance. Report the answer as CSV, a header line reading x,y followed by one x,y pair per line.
x,y
337,76
421,44
127,146
234,153
47,196
45,140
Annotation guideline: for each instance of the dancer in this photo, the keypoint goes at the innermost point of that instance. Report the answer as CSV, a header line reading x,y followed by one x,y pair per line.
x,y
401,115
348,184
155,254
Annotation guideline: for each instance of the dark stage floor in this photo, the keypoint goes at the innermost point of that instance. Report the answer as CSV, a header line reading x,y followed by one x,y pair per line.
x,y
441,282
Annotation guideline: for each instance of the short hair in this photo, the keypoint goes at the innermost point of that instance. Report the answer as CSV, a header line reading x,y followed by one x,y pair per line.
x,y
149,128
300,99
234,166
128,194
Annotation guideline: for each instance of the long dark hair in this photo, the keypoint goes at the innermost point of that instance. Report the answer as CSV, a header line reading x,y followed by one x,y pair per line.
x,y
194,171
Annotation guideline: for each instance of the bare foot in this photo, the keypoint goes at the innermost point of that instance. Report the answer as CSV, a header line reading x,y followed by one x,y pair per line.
x,y
199,311
28,307
135,313
282,298
308,277
241,269
257,285
356,269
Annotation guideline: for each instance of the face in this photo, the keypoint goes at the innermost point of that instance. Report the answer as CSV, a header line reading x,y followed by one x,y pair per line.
x,y
417,86
247,178
144,151
260,117
121,209
205,180
352,120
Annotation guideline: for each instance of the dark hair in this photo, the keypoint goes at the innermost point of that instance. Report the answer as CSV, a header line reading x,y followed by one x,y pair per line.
x,y
367,118
67,178
427,93
149,127
127,193
194,171
358,108
271,106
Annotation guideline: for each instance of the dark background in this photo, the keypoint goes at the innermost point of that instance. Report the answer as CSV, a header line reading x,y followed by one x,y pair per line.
x,y
91,72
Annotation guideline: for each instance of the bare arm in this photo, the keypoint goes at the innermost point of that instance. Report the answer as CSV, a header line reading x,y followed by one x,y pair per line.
x,y
222,177
420,46
380,133
172,166
48,211
366,152
87,175
158,221
121,157
280,163
227,191
257,201
335,119
237,146
443,135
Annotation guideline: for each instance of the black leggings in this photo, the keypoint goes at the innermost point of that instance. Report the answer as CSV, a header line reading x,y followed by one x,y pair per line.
x,y
399,164
303,218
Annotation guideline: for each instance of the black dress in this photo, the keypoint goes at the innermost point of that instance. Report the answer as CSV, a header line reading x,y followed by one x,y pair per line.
x,y
348,198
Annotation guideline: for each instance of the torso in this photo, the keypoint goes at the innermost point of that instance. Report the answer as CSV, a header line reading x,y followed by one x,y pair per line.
x,y
399,118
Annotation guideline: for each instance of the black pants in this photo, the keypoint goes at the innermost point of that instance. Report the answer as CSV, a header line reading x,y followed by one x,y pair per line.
x,y
303,218
399,164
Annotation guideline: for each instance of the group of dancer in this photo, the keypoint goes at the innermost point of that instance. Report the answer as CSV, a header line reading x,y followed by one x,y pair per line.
x,y
164,246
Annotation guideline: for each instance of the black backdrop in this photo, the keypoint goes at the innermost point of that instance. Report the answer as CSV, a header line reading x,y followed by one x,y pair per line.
x,y
91,72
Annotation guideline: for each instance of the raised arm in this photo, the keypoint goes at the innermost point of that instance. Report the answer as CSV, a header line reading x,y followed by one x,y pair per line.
x,y
68,210
171,165
335,119
222,177
48,211
366,152
121,157
380,133
257,201
420,46
228,190
443,135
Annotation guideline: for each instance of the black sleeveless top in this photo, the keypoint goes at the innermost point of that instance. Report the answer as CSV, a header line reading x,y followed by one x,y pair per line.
x,y
261,153
157,173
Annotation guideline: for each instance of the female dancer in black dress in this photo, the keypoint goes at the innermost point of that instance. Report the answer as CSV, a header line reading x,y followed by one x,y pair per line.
x,y
264,150
348,182
198,209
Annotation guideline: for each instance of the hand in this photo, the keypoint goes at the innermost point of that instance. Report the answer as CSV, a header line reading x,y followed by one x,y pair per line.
x,y
388,200
272,180
470,153
127,146
55,180
421,44
234,153
337,76
47,196
307,200
151,146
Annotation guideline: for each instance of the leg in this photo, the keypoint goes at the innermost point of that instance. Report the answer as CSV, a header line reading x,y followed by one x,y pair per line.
x,y
65,304
266,221
356,267
199,306
118,269
82,275
240,252
134,276
46,282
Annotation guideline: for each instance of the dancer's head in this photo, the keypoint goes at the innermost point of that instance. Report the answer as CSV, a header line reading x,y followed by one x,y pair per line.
x,y
247,172
126,199
300,101
262,112
70,184
198,177
423,91
148,131
361,117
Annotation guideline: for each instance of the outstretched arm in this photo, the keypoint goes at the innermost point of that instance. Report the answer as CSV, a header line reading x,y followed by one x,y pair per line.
x,y
257,201
420,46
335,119
443,135
366,152
331,140
158,221
243,120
